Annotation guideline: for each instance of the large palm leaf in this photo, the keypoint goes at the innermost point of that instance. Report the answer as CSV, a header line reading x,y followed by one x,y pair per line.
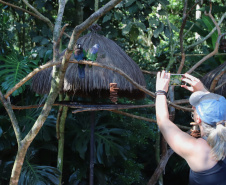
x,y
108,138
35,174
15,68
42,175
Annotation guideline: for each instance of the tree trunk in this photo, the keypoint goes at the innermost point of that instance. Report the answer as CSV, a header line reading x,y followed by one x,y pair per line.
x,y
18,163
60,157
160,168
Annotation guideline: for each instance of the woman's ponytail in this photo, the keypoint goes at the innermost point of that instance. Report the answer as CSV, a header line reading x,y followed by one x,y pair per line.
x,y
216,138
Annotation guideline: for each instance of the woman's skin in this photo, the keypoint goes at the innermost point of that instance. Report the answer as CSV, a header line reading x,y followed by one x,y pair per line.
x,y
196,152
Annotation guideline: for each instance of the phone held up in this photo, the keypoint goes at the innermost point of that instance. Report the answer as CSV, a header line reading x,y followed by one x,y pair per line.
x,y
176,79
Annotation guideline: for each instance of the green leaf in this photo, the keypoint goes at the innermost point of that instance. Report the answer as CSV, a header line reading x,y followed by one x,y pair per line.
x,y
167,31
210,25
107,18
197,27
37,39
129,2
118,15
150,2
162,12
48,55
133,9
158,30
134,33
140,25
13,70
215,9
174,27
34,174
140,6
153,21
127,28
44,41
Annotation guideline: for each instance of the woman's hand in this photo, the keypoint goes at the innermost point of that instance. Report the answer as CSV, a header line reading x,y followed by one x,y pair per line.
x,y
195,83
162,81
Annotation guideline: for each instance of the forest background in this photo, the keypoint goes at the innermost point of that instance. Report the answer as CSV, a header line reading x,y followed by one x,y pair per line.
x,y
127,150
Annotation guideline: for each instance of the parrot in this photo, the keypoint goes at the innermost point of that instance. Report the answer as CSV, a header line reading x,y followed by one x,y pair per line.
x,y
92,53
79,55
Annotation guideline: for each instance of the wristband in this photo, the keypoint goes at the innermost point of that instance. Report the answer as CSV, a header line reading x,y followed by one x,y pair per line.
x,y
160,92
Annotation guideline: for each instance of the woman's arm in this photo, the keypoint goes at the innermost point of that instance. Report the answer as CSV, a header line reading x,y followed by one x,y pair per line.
x,y
181,142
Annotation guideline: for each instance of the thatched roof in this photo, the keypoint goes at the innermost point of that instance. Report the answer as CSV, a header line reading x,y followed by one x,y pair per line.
x,y
97,80
209,77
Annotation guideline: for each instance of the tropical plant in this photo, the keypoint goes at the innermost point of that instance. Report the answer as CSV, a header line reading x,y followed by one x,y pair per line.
x,y
6,35
14,69
108,138
36,174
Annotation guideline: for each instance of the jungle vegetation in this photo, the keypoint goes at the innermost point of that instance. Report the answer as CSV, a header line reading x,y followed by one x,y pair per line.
x,y
156,34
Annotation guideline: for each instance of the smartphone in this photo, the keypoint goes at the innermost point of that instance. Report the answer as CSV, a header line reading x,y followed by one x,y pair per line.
x,y
175,79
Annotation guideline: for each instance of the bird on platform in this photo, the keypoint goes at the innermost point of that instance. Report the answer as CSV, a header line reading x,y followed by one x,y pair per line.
x,y
92,53
79,55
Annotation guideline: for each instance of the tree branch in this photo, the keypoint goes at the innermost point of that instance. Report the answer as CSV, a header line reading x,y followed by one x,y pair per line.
x,y
208,36
6,103
219,86
130,80
216,79
160,167
43,18
185,16
216,45
207,56
18,8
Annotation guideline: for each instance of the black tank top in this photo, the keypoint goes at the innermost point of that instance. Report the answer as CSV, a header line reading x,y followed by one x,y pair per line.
x,y
214,176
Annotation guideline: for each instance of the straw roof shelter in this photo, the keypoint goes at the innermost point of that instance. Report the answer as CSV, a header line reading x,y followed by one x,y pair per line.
x,y
97,80
209,77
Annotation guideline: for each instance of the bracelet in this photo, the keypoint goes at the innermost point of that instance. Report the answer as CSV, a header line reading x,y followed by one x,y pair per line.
x,y
160,92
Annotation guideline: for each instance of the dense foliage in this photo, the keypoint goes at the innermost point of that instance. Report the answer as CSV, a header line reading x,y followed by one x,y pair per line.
x,y
148,31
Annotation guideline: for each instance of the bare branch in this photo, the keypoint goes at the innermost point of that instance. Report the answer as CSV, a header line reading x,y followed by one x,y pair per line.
x,y
80,105
207,56
111,107
61,34
160,168
18,8
45,19
8,107
219,86
208,36
149,72
185,16
216,45
214,21
216,79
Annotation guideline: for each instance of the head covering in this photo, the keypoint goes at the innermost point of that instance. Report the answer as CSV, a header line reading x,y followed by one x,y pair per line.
x,y
210,107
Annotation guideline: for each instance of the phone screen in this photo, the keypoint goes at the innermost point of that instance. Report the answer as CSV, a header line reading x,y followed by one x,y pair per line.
x,y
175,79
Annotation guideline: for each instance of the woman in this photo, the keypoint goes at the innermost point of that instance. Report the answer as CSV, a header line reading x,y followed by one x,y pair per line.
x,y
205,155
